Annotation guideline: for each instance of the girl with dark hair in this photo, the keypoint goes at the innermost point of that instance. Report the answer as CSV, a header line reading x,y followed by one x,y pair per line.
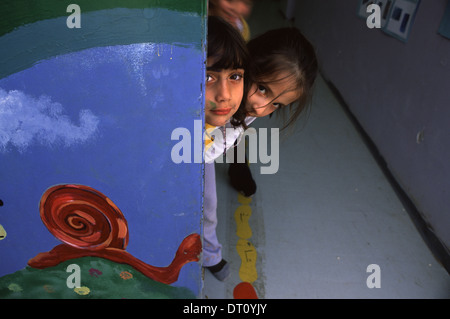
x,y
227,51
283,70
282,73
227,61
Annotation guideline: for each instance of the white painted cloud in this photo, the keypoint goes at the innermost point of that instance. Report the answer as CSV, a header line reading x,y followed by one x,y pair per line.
x,y
25,120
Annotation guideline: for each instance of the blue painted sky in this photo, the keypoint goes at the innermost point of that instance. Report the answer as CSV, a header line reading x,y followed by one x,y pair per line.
x,y
103,117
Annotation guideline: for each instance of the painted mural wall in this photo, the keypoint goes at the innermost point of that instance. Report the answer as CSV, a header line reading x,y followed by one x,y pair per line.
x,y
91,203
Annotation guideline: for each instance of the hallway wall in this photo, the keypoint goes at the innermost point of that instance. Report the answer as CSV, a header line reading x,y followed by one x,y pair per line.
x,y
395,90
88,122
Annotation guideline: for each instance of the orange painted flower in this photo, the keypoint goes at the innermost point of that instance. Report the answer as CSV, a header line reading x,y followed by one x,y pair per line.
x,y
125,275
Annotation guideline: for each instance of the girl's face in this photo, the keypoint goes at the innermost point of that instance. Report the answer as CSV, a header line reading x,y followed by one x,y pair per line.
x,y
224,92
263,99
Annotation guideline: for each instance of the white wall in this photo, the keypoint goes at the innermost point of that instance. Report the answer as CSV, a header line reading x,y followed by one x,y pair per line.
x,y
395,90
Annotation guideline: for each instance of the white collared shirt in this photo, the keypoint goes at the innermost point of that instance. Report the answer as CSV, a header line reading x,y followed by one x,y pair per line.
x,y
223,138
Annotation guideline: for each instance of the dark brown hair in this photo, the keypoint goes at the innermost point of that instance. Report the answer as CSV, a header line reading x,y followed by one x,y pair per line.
x,y
285,50
227,46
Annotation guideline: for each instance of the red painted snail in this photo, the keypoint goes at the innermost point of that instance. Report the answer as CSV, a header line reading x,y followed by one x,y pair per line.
x,y
90,224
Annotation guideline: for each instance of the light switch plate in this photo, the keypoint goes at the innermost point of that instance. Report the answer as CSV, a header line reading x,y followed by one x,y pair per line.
x,y
401,18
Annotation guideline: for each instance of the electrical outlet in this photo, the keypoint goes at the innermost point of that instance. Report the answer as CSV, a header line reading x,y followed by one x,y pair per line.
x,y
401,18
385,6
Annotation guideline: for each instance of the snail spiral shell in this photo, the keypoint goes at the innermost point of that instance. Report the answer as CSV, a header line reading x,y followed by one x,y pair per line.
x,y
90,224
83,218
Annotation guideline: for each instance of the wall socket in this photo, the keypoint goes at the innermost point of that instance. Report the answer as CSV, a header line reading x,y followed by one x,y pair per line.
x,y
396,16
401,18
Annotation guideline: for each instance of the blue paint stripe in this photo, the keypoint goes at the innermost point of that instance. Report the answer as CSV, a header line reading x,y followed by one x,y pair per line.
x,y
32,43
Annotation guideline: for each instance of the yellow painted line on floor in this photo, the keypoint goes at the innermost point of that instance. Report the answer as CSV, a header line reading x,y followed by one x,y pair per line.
x,y
248,255
244,200
246,250
242,215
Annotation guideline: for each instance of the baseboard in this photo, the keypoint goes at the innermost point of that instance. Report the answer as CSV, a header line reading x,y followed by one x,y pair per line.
x,y
437,248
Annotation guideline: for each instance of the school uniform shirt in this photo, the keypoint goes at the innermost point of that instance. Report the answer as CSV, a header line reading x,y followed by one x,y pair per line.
x,y
218,139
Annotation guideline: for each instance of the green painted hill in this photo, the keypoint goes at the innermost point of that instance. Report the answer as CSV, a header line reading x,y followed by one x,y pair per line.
x,y
100,279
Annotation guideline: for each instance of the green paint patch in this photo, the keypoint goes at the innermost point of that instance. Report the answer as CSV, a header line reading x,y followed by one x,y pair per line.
x,y
100,28
213,105
100,279
20,12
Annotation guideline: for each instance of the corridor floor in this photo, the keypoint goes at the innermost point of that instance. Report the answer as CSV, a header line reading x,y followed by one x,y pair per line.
x,y
326,223
322,219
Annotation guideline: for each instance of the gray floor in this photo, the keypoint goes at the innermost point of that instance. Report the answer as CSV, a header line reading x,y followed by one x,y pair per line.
x,y
324,217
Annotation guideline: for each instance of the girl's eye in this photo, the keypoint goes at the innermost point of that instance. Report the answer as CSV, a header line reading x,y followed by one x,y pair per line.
x,y
276,105
236,76
261,89
208,78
